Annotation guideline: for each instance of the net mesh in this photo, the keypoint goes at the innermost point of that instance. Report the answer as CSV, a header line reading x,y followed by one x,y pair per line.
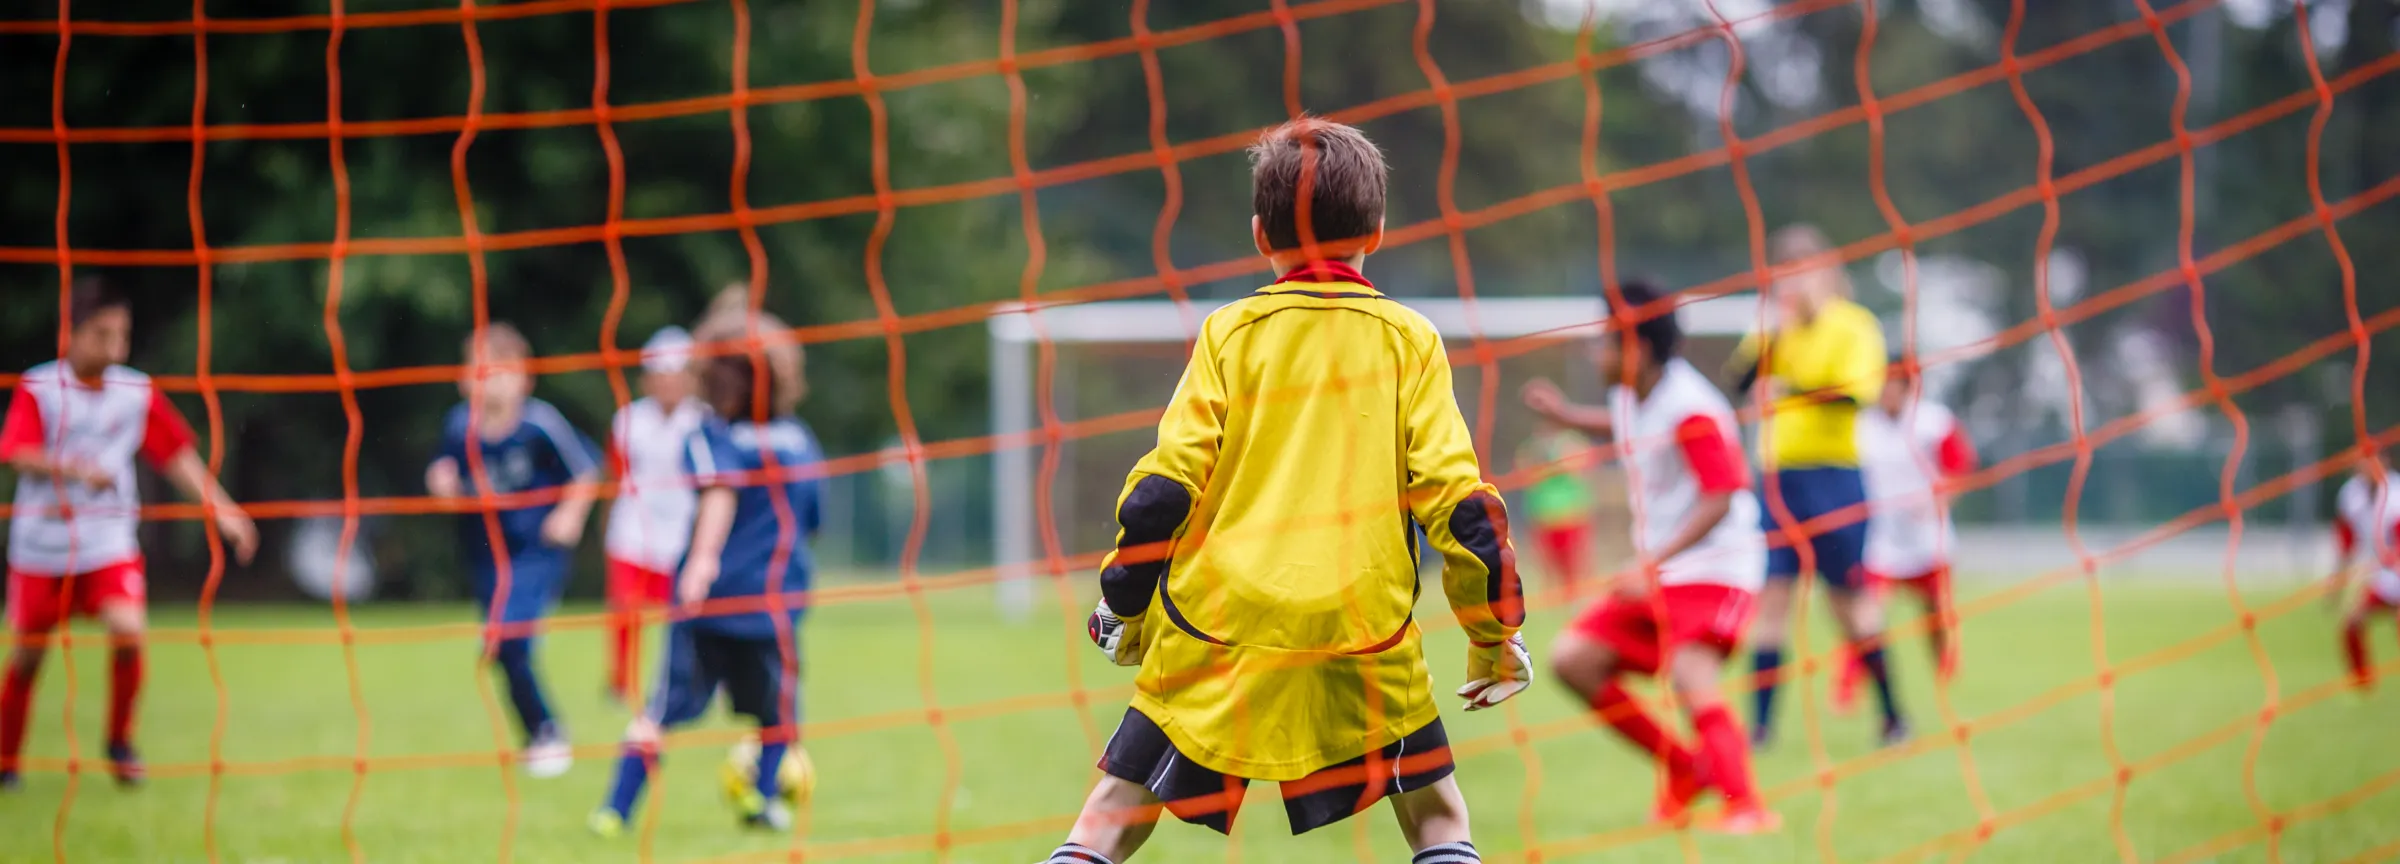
x,y
1066,552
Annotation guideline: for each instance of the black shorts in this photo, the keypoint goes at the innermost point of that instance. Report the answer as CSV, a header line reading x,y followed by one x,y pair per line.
x,y
1140,753
700,662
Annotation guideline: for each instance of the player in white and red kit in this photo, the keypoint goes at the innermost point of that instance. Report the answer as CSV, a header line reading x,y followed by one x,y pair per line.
x,y
1908,452
2369,521
73,431
1702,560
651,522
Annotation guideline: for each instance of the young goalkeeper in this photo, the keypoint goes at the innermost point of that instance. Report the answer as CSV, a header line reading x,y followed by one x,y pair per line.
x,y
1314,425
523,445
1703,558
749,563
74,430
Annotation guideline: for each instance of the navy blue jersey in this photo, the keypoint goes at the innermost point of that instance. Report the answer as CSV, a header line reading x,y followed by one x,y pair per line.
x,y
725,455
543,452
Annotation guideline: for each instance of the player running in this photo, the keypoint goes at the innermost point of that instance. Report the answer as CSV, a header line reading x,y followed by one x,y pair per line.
x,y
1315,422
1909,450
2369,518
1820,364
73,432
1560,503
651,520
749,564
526,450
1701,559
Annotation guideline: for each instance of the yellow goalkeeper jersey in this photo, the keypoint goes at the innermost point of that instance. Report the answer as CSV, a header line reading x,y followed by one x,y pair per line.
x,y
1314,428
1839,352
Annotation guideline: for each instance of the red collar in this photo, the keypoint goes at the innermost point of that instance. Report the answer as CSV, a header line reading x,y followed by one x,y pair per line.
x,y
1326,271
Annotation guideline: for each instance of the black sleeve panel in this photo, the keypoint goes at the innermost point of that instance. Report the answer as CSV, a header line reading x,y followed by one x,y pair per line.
x,y
1480,524
1148,519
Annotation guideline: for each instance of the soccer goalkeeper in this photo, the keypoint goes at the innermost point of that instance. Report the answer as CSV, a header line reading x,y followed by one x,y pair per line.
x,y
1265,572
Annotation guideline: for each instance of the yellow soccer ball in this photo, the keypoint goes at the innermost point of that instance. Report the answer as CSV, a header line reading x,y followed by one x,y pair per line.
x,y
796,779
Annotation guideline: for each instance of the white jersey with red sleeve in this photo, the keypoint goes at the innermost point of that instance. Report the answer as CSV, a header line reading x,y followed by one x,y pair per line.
x,y
651,522
103,425
1679,444
2369,524
1904,461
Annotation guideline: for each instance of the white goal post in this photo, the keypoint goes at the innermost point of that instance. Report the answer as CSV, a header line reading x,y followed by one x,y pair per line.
x,y
1014,334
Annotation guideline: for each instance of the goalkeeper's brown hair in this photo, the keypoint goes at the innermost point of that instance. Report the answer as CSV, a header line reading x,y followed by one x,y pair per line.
x,y
727,333
1343,171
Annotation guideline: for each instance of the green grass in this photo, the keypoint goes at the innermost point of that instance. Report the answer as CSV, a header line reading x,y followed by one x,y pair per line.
x,y
1022,767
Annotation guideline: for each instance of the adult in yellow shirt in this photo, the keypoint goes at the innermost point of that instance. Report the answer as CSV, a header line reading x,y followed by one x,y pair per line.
x,y
1820,363
1265,576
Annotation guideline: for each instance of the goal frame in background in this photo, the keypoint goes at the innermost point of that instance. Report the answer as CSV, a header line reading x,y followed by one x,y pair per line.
x,y
1017,330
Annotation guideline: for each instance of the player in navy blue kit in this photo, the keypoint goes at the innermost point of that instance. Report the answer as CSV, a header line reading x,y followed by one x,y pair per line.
x,y
743,585
524,446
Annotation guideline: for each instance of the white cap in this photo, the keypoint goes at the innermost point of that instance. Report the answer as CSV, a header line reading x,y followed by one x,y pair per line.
x,y
667,351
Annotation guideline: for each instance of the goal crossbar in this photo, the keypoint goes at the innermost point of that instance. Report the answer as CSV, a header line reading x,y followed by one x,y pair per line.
x,y
1016,329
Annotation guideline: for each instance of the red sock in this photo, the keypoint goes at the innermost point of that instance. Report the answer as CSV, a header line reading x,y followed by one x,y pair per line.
x,y
1728,753
2354,644
124,685
1845,682
16,701
627,641
1618,709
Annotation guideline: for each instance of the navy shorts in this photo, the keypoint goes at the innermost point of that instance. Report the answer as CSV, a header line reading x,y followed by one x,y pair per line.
x,y
535,579
1809,493
701,662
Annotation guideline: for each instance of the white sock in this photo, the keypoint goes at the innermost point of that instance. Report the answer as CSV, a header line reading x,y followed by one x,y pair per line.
x,y
1073,853
1461,852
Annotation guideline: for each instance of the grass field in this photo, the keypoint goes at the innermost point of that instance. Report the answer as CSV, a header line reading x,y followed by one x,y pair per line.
x,y
2183,707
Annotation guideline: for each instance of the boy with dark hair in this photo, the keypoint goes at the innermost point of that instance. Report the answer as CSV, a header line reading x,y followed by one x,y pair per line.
x,y
520,446
74,430
754,463
1701,558
1313,428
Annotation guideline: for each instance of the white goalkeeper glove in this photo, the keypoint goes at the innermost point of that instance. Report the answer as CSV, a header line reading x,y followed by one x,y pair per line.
x,y
1496,672
1118,638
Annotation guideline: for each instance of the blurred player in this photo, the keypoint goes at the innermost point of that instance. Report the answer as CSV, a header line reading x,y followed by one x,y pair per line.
x,y
2368,518
73,431
1820,364
1702,559
750,563
1315,422
651,520
1560,503
526,448
1909,451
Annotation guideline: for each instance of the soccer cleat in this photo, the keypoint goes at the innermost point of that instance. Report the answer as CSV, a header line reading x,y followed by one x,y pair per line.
x,y
1745,820
1896,734
548,754
10,782
776,816
606,824
761,813
125,765
1674,803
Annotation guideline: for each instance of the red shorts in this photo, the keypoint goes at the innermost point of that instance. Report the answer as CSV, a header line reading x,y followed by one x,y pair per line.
x,y
1713,615
631,584
38,604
